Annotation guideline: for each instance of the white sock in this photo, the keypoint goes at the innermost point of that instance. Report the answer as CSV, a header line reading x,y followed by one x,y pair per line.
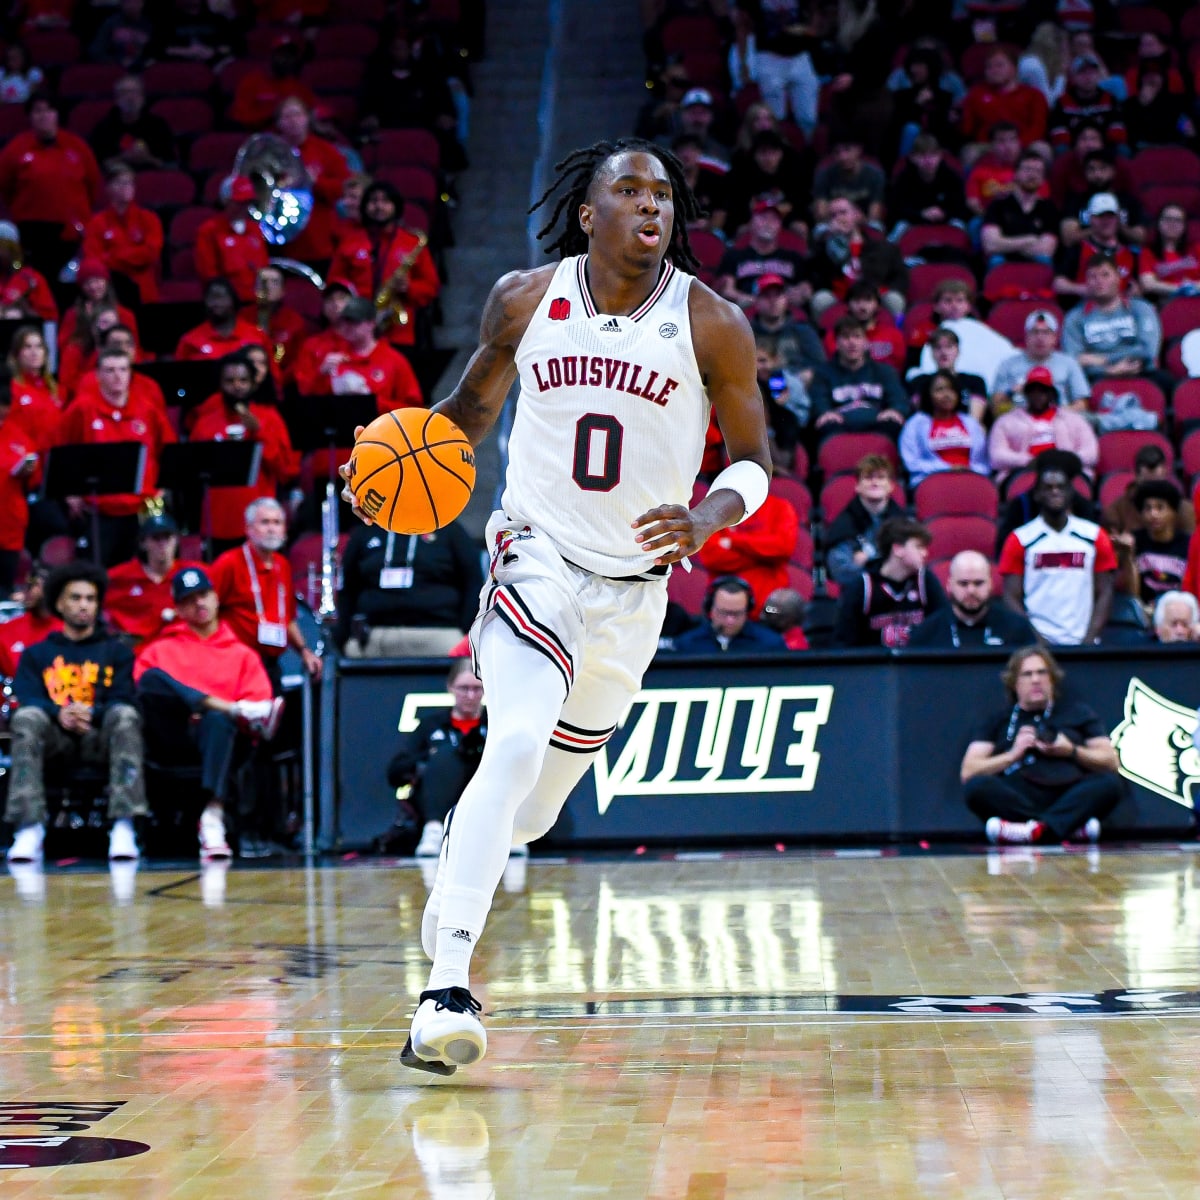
x,y
452,962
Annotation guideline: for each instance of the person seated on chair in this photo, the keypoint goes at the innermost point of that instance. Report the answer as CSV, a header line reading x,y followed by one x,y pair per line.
x,y
727,628
893,593
407,595
939,437
974,618
784,611
75,691
35,623
853,536
201,691
854,394
1177,619
1043,770
1154,561
139,601
438,758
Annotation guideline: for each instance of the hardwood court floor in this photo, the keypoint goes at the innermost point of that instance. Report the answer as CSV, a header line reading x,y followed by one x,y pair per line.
x,y
660,1030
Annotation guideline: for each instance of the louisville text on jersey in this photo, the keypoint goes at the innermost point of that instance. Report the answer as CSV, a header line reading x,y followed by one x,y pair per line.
x,y
615,374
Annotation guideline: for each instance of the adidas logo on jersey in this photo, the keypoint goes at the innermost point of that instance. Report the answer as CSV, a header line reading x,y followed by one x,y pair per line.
x,y
611,326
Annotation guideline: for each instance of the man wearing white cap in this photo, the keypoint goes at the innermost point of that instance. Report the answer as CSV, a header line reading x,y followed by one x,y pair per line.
x,y
1041,350
1104,218
695,117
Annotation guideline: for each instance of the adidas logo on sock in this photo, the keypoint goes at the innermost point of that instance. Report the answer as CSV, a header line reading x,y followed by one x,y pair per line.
x,y
462,935
611,326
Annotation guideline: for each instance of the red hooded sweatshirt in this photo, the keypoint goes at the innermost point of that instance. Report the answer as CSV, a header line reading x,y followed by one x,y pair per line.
x,y
219,665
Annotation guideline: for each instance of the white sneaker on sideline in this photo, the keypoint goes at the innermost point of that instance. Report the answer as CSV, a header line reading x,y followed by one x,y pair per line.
x,y
261,716
121,840
1089,831
212,835
122,876
27,843
430,845
1013,833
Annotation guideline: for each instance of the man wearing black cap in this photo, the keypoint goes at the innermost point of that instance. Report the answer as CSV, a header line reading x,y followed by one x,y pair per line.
x,y
138,601
356,362
1085,100
201,688
75,691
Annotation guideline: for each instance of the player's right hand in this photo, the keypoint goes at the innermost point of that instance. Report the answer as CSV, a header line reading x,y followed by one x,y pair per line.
x,y
347,494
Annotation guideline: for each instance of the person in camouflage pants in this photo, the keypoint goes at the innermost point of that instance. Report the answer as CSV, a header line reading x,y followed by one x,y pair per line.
x,y
76,702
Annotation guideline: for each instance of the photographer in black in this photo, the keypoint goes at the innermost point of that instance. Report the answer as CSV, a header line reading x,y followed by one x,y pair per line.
x,y
1040,772
439,757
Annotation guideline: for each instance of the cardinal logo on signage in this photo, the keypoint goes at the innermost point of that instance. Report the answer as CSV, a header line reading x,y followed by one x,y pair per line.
x,y
1154,744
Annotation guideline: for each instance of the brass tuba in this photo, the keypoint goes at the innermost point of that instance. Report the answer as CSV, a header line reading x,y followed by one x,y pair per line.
x,y
283,188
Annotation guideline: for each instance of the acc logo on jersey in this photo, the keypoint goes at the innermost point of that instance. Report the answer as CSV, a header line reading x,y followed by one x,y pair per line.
x,y
1154,744
560,309
668,329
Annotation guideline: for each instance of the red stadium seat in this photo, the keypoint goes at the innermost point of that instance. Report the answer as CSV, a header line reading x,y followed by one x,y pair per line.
x,y
325,75
918,238
1145,19
351,40
1112,487
404,148
13,120
1019,281
801,581
1147,391
233,72
1164,164
1180,315
1173,359
1189,456
181,232
302,295
707,247
188,116
688,588
924,279
178,79
417,184
956,493
841,451
952,534
180,291
82,81
165,189
305,559
58,550
182,263
800,464
802,552
1118,449
839,491
52,48
86,115
1186,195
1185,407
831,316
214,152
795,493
1189,25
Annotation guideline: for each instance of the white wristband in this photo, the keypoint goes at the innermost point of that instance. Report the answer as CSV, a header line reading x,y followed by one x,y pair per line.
x,y
750,482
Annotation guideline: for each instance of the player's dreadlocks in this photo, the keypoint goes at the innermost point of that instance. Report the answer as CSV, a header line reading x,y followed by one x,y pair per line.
x,y
575,175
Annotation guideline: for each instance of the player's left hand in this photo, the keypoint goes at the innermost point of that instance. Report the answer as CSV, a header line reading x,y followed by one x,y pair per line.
x,y
347,494
671,532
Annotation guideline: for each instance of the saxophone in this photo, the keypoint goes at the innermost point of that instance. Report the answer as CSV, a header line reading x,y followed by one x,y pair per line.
x,y
390,301
263,322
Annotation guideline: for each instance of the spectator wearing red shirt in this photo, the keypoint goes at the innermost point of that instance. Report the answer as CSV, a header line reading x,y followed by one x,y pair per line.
x,y
326,166
1169,264
231,245
379,253
260,92
125,237
115,416
230,416
283,327
78,356
254,584
20,469
49,176
19,282
142,388
884,341
757,549
354,362
991,178
224,331
31,626
96,292
784,611
138,600
35,403
1103,239
1000,97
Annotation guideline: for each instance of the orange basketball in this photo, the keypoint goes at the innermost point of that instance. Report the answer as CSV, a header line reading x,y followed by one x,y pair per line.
x,y
412,470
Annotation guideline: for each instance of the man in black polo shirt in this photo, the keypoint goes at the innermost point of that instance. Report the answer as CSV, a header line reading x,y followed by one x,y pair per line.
x,y
742,267
1043,770
972,621
1021,227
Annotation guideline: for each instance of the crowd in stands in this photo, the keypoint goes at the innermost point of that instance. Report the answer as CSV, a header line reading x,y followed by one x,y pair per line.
x,y
967,236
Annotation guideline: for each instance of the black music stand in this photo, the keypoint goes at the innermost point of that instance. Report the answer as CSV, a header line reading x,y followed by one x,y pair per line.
x,y
184,384
328,423
95,470
189,469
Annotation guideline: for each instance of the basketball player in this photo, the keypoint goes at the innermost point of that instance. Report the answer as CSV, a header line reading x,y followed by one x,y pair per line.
x,y
620,354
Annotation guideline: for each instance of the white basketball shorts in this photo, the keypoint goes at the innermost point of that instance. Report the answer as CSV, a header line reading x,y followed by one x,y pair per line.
x,y
599,633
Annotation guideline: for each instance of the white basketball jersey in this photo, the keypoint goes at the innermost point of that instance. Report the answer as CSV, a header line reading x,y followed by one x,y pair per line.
x,y
610,422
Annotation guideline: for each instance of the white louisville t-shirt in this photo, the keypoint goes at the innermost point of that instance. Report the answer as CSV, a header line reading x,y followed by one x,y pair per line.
x,y
1059,567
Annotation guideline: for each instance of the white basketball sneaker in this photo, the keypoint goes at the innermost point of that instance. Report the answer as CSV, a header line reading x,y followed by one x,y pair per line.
x,y
122,844
27,843
212,835
430,845
446,1032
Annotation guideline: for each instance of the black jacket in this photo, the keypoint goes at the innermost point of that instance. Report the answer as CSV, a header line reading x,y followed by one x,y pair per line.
x,y
874,612
55,671
1000,627
447,578
436,734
